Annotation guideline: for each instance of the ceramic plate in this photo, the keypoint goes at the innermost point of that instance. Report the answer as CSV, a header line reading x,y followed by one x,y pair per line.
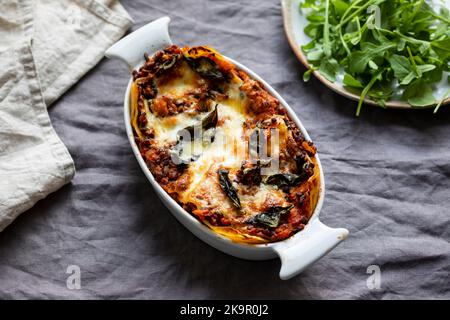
x,y
294,23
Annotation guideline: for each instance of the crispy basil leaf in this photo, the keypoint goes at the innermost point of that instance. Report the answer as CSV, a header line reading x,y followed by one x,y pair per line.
x,y
206,67
283,180
208,122
149,90
271,217
228,188
305,169
442,48
250,175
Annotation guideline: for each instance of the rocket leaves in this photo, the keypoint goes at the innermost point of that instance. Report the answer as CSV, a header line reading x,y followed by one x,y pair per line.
x,y
381,47
329,68
350,81
359,60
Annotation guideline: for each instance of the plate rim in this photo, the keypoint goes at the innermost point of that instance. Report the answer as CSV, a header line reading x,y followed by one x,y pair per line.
x,y
288,30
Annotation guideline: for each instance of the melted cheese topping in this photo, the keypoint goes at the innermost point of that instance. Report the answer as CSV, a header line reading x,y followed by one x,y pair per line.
x,y
178,86
223,147
228,149
166,129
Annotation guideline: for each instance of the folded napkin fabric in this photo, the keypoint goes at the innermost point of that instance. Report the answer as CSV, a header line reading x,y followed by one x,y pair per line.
x,y
45,47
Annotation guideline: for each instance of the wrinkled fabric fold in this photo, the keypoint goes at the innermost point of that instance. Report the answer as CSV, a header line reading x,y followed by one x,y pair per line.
x,y
33,160
45,48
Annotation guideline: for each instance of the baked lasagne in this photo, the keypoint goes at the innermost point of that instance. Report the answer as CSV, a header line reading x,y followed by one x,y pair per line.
x,y
222,146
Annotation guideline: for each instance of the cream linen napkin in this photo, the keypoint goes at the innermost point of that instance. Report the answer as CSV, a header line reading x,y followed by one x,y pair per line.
x,y
45,47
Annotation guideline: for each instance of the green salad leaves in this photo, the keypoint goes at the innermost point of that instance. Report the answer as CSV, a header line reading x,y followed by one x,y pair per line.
x,y
380,47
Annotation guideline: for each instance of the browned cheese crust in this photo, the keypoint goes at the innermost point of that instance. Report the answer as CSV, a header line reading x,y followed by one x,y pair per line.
x,y
186,87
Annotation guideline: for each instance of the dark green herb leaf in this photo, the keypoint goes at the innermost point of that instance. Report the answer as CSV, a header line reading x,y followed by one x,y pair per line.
x,y
250,174
380,92
401,44
425,68
376,77
206,67
401,66
340,6
271,217
351,82
308,4
284,180
410,77
208,122
315,55
419,95
307,75
315,18
373,65
359,60
442,47
329,68
312,30
305,169
228,188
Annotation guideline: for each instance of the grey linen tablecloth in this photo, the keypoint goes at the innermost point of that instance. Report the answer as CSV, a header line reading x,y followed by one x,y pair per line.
x,y
387,174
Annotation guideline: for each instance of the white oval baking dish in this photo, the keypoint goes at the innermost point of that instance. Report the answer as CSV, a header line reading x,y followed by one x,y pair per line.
x,y
297,252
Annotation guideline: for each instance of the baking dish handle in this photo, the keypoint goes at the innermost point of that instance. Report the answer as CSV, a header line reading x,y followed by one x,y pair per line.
x,y
312,243
150,38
